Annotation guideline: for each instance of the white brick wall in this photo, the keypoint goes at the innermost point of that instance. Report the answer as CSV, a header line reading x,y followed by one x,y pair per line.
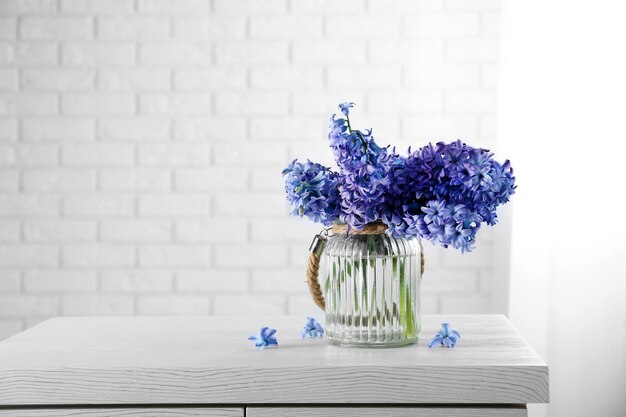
x,y
141,143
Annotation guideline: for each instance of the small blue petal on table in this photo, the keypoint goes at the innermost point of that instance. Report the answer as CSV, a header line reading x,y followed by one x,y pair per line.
x,y
265,338
445,337
312,328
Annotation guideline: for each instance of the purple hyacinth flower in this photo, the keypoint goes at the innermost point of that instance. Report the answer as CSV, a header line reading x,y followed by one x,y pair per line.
x,y
445,337
312,191
312,328
345,107
436,212
265,338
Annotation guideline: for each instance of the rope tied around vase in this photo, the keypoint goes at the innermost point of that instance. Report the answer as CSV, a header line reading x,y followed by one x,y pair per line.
x,y
317,248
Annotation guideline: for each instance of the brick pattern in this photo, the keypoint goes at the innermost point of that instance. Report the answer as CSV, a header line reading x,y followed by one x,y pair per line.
x,y
141,143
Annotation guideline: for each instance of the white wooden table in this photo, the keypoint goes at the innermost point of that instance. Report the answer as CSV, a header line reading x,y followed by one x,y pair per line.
x,y
205,366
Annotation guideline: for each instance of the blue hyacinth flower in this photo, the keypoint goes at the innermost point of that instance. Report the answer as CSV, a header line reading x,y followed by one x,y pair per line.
x,y
265,338
345,107
445,337
312,328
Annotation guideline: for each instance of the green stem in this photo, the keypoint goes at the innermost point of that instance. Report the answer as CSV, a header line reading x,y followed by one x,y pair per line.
x,y
406,305
363,141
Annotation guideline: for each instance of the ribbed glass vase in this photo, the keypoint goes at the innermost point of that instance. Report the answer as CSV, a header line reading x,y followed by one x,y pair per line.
x,y
372,289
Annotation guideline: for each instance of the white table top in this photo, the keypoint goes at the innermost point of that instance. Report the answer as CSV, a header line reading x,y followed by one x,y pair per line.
x,y
208,360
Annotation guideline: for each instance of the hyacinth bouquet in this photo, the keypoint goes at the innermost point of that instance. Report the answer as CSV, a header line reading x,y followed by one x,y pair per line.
x,y
442,193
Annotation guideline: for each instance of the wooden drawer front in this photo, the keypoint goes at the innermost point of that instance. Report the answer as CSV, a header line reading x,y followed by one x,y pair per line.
x,y
124,412
517,411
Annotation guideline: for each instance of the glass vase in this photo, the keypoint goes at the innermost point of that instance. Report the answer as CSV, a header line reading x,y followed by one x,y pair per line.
x,y
372,288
